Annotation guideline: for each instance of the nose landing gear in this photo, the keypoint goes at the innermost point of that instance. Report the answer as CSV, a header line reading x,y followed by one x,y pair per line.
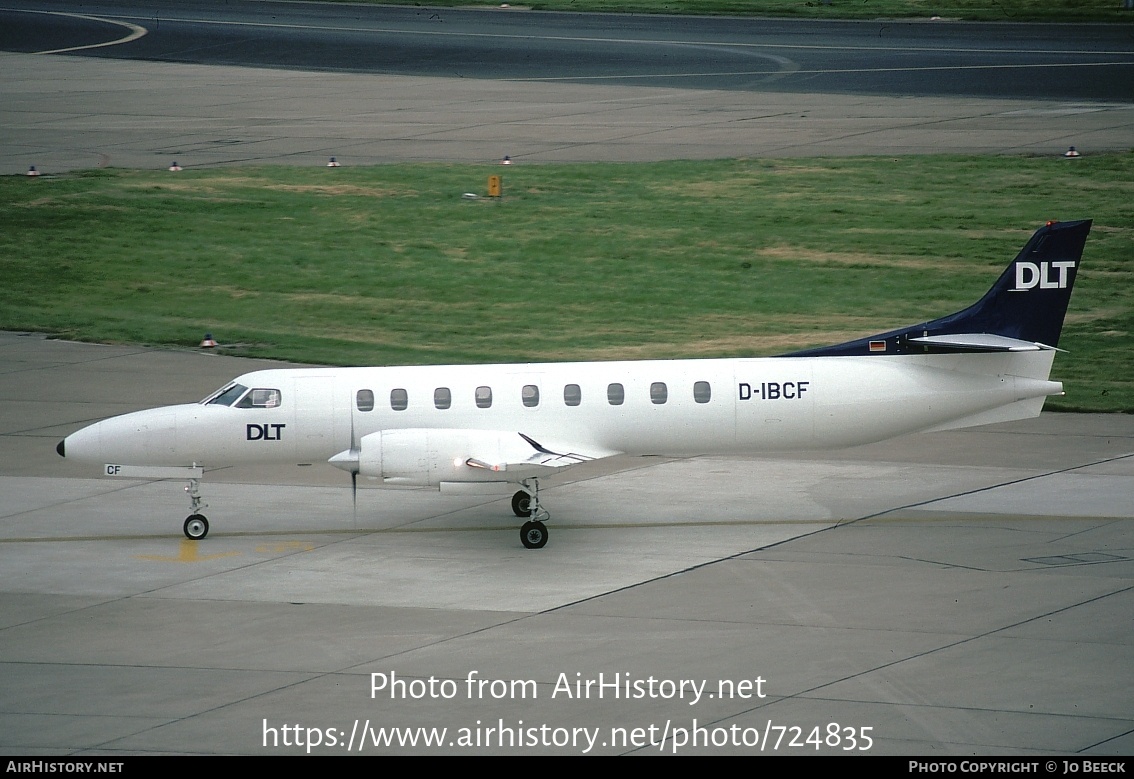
x,y
196,526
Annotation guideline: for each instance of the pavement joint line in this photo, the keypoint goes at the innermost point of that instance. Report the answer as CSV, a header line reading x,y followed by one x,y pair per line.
x,y
977,490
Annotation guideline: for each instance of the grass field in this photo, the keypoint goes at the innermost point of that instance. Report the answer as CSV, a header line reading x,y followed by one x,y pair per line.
x,y
1060,11
391,265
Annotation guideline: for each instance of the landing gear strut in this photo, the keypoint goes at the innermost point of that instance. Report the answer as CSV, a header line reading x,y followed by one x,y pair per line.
x,y
525,503
196,526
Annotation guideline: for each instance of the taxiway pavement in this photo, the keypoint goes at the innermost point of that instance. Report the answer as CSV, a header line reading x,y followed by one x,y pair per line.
x,y
966,592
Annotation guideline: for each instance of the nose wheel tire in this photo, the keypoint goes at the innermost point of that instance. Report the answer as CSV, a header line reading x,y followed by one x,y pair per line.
x,y
533,535
196,527
522,504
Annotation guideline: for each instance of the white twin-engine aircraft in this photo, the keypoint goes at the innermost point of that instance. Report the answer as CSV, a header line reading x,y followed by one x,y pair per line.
x,y
489,428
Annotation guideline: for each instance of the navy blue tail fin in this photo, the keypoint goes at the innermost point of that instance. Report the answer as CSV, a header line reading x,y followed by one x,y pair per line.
x,y
1026,305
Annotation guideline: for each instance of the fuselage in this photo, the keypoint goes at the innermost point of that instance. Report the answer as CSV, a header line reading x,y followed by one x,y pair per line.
x,y
665,407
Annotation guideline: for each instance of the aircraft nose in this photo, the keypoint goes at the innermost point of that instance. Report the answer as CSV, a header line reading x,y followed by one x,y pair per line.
x,y
83,445
139,438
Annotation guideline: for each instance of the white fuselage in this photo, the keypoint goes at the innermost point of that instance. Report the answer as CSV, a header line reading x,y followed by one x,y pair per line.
x,y
664,407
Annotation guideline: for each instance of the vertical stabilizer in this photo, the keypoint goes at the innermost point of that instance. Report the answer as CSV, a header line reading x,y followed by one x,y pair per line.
x,y
1026,305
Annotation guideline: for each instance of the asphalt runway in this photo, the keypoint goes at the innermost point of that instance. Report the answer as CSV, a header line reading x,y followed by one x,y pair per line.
x,y
955,593
142,90
918,57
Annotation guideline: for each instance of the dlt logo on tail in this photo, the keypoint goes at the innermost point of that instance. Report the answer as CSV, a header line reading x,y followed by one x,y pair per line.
x,y
1029,275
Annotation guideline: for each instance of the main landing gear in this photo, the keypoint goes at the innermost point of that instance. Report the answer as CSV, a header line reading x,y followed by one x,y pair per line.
x,y
525,503
196,526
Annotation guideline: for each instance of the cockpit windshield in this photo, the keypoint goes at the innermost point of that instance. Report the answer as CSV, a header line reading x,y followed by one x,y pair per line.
x,y
227,395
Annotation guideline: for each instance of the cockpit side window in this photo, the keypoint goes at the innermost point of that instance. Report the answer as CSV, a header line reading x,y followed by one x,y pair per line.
x,y
227,395
260,398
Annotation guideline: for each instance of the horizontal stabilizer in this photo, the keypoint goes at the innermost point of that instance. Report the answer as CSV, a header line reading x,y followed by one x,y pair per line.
x,y
978,342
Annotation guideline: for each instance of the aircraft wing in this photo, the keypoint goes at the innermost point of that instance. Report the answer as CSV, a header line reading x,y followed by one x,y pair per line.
x,y
527,456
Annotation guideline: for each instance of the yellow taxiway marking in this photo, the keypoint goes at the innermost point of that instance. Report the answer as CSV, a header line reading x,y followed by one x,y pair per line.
x,y
187,553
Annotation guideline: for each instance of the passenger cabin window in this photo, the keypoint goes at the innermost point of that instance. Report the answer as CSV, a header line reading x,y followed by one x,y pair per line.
x,y
659,393
615,394
260,398
702,392
364,400
442,398
484,397
530,394
228,395
572,395
399,399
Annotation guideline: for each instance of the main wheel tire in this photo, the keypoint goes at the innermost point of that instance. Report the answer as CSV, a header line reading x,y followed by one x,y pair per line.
x,y
522,504
533,535
196,527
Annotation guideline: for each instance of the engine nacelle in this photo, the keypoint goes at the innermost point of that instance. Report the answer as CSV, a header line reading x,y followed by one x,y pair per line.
x,y
425,457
